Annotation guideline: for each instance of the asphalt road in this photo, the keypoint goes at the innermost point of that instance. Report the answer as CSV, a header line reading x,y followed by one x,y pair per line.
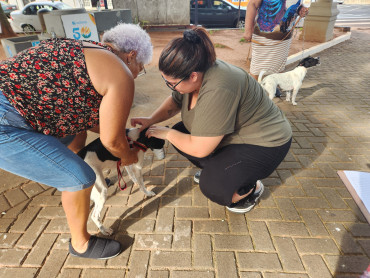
x,y
353,16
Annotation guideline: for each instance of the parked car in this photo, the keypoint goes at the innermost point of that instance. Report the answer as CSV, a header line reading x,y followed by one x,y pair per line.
x,y
27,18
217,13
7,8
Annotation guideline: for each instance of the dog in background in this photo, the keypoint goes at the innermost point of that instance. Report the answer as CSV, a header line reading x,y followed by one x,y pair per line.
x,y
288,81
99,158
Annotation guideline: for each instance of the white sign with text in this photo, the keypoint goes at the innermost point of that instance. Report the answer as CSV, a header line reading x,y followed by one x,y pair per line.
x,y
80,27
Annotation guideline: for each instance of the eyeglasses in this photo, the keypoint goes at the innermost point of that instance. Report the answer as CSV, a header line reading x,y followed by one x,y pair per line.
x,y
142,72
173,87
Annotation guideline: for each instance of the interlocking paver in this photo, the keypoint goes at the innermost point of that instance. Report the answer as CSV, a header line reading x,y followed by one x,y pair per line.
x,y
159,274
194,273
237,224
106,273
316,245
24,272
8,240
202,251
12,257
226,264
53,264
349,264
305,225
210,226
280,228
259,261
288,254
347,244
41,250
260,236
32,189
5,223
153,241
182,235
171,259
316,266
313,223
164,221
233,242
31,235
287,209
25,219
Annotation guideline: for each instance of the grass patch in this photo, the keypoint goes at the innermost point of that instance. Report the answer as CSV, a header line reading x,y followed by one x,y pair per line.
x,y
219,45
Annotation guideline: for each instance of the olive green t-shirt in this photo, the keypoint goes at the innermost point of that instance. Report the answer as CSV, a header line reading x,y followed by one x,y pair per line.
x,y
232,103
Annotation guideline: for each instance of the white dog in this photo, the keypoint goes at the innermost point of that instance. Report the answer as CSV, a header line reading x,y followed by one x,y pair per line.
x,y
288,81
99,158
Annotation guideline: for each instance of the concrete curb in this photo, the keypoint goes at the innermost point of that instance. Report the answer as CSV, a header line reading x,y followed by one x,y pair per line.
x,y
318,48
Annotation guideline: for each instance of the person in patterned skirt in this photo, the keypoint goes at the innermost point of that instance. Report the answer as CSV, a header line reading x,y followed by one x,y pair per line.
x,y
50,95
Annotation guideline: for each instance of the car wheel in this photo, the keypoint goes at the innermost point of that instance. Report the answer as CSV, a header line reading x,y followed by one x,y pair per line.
x,y
240,24
27,28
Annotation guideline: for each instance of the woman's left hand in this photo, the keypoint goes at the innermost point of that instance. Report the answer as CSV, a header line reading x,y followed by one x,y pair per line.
x,y
158,132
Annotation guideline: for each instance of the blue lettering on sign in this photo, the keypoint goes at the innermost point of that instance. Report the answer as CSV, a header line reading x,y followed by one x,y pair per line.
x,y
9,51
34,43
76,33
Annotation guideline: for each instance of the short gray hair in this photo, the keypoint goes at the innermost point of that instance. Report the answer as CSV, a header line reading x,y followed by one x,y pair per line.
x,y
127,37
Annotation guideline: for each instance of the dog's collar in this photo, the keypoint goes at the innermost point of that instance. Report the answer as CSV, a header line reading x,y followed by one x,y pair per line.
x,y
136,144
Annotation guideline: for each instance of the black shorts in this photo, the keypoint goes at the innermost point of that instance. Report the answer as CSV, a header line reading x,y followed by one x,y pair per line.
x,y
234,168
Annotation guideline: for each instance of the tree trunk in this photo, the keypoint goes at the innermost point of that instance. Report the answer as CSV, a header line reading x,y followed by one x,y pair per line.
x,y
6,29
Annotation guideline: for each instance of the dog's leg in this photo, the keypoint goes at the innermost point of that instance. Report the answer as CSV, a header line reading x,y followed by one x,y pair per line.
x,y
135,173
99,196
159,153
288,93
295,92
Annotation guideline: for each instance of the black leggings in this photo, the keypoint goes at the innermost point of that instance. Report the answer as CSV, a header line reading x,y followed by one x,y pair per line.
x,y
234,168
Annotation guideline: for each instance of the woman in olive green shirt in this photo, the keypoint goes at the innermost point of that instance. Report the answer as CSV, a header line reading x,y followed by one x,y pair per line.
x,y
230,128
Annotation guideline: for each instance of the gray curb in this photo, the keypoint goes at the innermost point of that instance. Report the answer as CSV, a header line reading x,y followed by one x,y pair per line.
x,y
318,48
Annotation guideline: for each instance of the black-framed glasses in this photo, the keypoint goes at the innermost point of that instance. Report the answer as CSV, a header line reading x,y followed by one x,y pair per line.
x,y
142,72
173,87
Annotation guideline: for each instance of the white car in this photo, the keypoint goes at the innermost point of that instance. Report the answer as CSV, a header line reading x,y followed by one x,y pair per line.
x,y
27,18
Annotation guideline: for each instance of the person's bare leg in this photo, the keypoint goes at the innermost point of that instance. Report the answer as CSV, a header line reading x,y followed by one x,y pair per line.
x,y
236,197
76,206
78,142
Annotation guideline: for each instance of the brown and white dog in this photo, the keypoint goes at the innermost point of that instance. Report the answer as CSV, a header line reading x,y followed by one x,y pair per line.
x,y
99,158
288,81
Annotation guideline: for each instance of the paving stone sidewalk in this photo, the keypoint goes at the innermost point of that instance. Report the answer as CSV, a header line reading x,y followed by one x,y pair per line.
x,y
306,225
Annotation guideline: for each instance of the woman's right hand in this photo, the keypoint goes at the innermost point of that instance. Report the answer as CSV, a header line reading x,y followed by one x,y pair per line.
x,y
247,35
143,121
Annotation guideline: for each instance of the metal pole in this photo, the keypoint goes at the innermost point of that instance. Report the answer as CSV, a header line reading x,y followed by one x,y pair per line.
x,y
196,13
239,12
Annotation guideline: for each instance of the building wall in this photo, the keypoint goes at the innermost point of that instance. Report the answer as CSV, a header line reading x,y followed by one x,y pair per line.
x,y
157,12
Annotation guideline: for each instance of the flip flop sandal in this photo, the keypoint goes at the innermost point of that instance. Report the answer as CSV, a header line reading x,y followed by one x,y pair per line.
x,y
98,248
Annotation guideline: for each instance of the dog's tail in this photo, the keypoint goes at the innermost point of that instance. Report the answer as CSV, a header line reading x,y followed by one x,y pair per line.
x,y
260,76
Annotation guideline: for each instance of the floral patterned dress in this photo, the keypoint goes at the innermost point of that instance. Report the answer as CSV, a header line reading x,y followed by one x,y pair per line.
x,y
50,87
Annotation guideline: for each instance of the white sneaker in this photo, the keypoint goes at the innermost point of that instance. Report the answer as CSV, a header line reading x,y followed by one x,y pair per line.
x,y
247,203
197,176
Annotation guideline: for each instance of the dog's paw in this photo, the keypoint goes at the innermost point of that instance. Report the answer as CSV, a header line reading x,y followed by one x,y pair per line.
x,y
106,231
149,193
159,153
294,103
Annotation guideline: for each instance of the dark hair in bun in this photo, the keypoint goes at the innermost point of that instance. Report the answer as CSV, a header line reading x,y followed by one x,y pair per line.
x,y
194,52
191,36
